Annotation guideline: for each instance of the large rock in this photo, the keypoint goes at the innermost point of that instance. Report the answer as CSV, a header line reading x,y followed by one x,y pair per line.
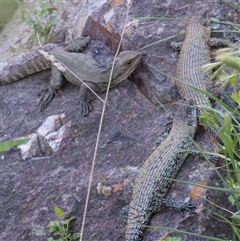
x,y
132,124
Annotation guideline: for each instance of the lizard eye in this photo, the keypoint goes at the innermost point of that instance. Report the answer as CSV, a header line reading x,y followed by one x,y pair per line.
x,y
129,62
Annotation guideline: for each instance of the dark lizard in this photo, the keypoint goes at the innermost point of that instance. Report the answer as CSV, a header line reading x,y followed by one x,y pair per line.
x,y
83,66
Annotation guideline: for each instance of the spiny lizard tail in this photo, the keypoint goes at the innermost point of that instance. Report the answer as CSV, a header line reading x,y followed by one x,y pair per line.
x,y
152,182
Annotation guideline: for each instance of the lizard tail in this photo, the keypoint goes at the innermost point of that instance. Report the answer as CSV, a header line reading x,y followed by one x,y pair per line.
x,y
30,67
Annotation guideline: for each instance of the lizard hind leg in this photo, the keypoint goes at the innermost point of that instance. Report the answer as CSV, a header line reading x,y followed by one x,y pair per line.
x,y
124,213
159,203
55,84
174,45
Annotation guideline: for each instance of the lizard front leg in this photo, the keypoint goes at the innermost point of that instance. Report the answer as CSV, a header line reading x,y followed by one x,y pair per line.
x,y
55,84
213,42
78,45
85,106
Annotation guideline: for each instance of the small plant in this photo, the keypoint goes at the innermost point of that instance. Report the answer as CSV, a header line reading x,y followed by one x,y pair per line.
x,y
14,50
41,18
60,228
5,146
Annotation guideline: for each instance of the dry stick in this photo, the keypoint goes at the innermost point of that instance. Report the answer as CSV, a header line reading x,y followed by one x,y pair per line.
x,y
214,204
100,127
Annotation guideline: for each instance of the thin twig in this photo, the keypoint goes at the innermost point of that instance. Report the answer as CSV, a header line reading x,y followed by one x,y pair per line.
x,y
100,126
214,204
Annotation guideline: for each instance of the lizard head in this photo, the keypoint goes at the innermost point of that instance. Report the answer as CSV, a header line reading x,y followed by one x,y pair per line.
x,y
201,22
201,18
124,65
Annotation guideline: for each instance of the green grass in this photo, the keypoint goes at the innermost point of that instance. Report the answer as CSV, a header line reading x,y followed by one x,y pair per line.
x,y
42,18
5,146
228,128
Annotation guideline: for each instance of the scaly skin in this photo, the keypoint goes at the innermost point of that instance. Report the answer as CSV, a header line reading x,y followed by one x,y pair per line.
x,y
151,184
82,65
194,54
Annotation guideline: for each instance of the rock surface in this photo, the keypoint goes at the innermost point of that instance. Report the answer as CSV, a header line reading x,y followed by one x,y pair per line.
x,y
48,137
31,188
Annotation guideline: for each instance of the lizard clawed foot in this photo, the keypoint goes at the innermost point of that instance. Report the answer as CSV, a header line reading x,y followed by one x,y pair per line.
x,y
211,158
174,45
85,107
48,97
180,207
207,156
185,207
124,213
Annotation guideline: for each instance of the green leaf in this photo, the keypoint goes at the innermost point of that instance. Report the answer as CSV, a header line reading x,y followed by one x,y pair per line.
x,y
65,222
230,61
30,21
38,28
236,96
207,119
5,146
233,80
68,236
58,212
232,200
13,49
236,215
32,37
173,239
47,9
227,124
53,223
51,22
23,16
52,229
61,229
75,236
50,239
70,219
